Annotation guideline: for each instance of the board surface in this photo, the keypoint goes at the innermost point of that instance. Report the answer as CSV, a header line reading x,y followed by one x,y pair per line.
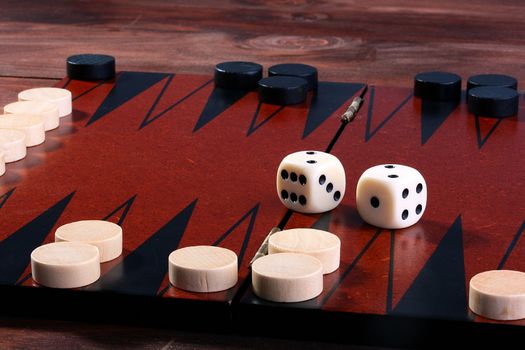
x,y
178,163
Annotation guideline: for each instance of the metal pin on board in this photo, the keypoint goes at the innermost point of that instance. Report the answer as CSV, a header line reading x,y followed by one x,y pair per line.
x,y
263,249
351,111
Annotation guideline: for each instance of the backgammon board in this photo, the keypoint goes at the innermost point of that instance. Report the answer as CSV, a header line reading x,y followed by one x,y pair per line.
x,y
177,162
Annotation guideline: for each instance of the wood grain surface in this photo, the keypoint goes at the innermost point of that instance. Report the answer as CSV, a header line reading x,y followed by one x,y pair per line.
x,y
52,334
378,42
381,41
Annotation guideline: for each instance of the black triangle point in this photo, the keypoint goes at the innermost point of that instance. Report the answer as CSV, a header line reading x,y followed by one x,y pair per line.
x,y
511,247
253,126
16,249
433,115
151,118
350,268
252,214
127,86
148,119
483,139
144,269
323,223
219,100
369,133
439,289
5,196
125,207
90,89
330,97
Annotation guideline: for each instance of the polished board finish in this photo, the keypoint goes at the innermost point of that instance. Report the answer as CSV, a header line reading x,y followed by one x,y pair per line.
x,y
118,155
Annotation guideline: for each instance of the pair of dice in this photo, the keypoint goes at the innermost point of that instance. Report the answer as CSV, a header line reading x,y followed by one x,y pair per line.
x,y
390,196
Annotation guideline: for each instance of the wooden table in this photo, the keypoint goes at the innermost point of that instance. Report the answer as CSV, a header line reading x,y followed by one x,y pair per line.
x,y
381,42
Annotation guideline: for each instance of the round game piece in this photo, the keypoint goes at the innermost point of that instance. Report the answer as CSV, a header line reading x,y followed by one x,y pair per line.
x,y
203,269
238,75
287,277
493,101
46,110
304,71
65,265
105,235
437,86
60,97
322,245
31,125
498,295
2,163
13,144
492,80
90,67
283,90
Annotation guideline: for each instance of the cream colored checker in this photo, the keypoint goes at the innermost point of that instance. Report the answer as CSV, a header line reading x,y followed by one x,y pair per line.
x,y
105,235
2,163
498,294
65,265
13,144
31,125
60,97
203,268
322,245
46,110
287,277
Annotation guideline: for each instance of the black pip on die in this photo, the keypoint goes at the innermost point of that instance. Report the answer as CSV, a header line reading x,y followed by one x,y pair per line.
x,y
391,196
311,181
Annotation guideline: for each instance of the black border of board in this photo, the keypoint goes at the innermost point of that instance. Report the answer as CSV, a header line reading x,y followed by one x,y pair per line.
x,y
78,305
279,321
370,329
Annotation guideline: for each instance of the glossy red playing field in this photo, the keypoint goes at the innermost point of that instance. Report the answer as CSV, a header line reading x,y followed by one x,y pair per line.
x,y
178,163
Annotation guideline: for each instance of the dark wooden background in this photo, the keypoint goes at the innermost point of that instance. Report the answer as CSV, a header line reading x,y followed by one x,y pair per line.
x,y
377,42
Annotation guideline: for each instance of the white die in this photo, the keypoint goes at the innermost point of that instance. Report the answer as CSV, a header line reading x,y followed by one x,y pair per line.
x,y
311,181
391,196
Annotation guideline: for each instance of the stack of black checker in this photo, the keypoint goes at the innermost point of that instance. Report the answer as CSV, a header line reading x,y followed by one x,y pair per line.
x,y
286,84
491,95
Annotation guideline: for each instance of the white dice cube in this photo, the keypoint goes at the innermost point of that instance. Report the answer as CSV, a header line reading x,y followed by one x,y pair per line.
x,y
311,181
391,196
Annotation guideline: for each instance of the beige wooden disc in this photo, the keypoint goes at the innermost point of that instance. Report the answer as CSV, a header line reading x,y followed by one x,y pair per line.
x,y
13,144
322,245
31,125
287,277
60,97
46,110
2,163
203,268
498,294
105,235
65,264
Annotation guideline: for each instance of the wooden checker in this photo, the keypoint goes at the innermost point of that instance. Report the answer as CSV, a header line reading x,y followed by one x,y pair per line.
x,y
178,163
